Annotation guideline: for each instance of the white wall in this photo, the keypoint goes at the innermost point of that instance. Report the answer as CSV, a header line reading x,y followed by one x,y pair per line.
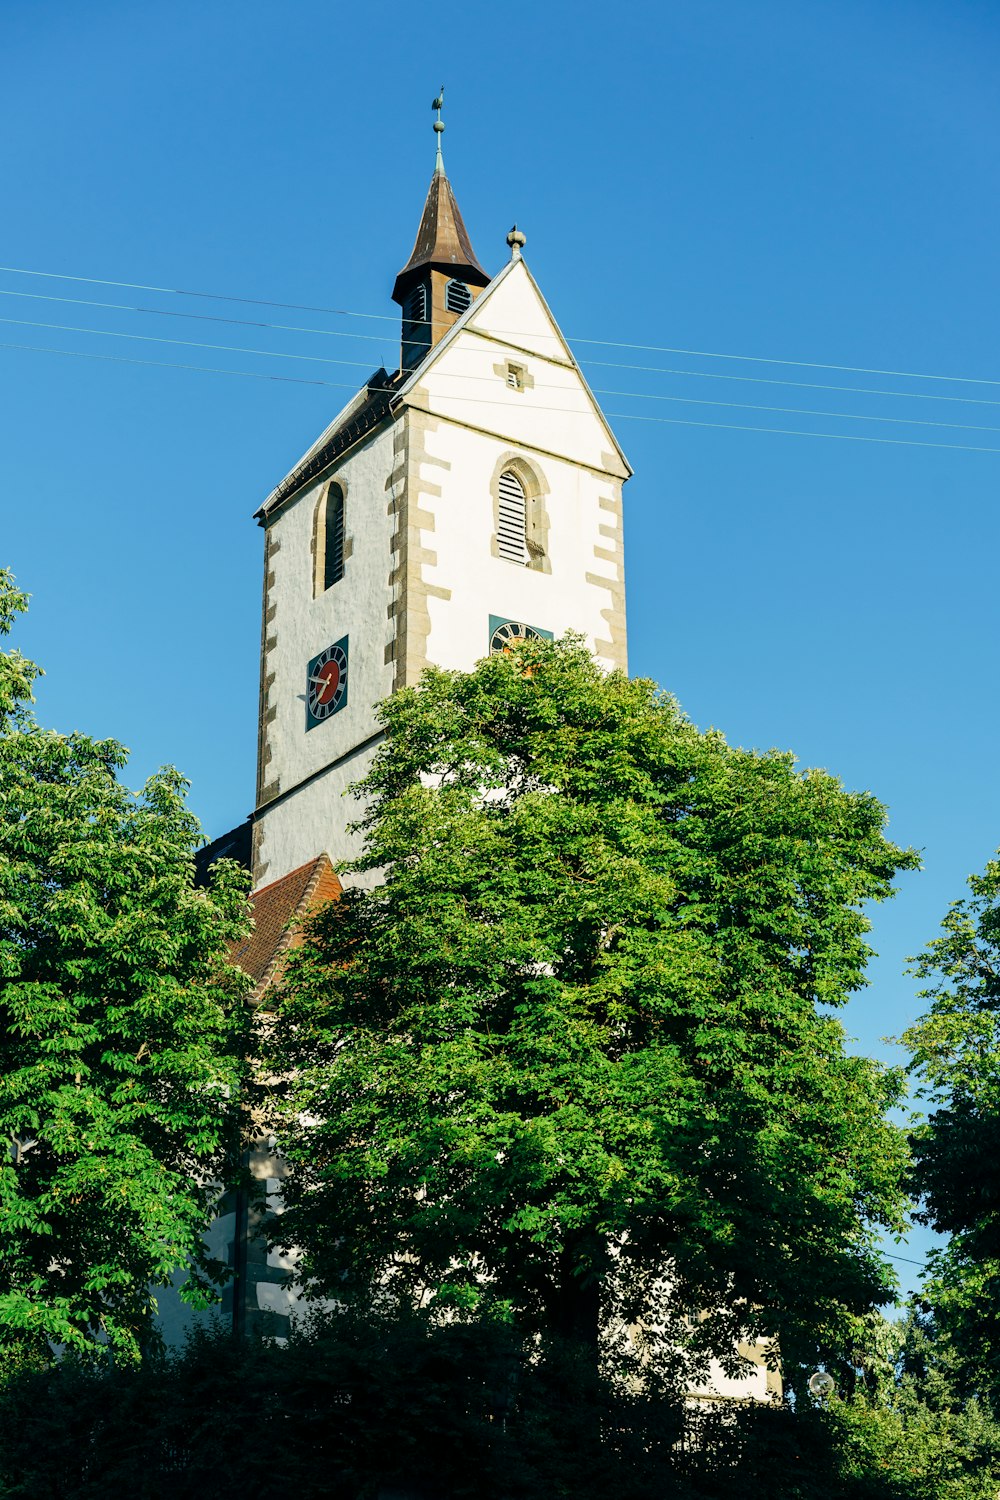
x,y
459,423
314,819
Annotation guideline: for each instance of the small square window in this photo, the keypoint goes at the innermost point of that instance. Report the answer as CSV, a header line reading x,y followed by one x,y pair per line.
x,y
515,377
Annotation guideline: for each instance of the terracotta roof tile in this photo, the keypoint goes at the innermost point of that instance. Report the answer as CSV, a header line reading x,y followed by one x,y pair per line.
x,y
274,907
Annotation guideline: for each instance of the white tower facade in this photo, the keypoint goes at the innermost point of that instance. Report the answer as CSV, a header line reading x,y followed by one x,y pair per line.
x,y
474,495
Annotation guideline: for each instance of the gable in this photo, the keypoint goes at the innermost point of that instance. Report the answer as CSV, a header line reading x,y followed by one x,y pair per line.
x,y
464,377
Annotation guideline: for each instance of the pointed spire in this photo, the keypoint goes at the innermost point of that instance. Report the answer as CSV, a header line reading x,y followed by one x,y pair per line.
x,y
442,242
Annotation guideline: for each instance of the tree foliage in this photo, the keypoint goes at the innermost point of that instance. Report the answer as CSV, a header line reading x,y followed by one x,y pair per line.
x,y
955,1051
356,1406
572,1061
907,1430
119,1026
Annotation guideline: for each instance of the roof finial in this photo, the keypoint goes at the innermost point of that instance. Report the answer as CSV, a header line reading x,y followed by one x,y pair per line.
x,y
439,129
516,240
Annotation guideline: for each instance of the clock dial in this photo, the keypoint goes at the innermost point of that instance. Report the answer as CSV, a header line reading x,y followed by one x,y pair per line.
x,y
503,633
326,684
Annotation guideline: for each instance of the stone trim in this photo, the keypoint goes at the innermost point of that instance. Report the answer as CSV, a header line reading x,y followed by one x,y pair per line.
x,y
409,587
526,379
503,342
267,711
562,458
615,648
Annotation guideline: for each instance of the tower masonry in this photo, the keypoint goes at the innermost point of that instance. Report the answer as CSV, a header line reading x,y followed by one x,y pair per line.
x,y
469,498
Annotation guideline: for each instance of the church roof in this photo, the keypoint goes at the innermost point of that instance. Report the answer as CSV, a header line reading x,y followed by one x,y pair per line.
x,y
274,907
442,242
361,415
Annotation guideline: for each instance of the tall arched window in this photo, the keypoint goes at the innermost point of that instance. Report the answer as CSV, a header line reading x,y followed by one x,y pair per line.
x,y
333,536
513,519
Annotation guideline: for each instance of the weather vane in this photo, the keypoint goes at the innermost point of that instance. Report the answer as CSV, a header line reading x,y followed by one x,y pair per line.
x,y
439,128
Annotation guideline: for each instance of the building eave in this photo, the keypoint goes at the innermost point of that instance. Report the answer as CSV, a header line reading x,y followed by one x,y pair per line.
x,y
360,417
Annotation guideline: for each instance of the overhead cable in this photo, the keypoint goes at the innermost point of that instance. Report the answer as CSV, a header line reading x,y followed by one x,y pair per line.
x,y
628,416
150,338
606,364
575,339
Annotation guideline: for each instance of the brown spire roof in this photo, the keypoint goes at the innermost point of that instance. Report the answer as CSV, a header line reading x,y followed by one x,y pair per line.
x,y
442,242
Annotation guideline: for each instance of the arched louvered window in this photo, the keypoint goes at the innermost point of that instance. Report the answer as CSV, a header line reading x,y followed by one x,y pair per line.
x,y
333,537
512,523
457,297
415,309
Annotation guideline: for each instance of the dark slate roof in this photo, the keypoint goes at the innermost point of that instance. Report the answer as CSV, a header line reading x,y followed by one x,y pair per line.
x,y
359,419
442,242
236,844
274,907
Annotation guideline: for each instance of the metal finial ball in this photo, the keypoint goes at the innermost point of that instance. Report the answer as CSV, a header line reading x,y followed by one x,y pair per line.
x,y
439,126
516,240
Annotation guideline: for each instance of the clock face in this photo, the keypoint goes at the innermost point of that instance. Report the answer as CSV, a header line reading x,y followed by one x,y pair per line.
x,y
503,633
326,684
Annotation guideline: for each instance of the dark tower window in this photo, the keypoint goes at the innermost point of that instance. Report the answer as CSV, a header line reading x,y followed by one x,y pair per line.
x,y
333,537
415,310
457,297
416,325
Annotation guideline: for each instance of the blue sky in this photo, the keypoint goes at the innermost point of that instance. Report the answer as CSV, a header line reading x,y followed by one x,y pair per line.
x,y
805,183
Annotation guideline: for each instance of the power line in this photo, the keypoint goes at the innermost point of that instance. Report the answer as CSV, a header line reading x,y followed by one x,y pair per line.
x,y
802,364
629,416
801,411
176,291
810,385
162,364
163,312
842,437
802,385
604,343
150,338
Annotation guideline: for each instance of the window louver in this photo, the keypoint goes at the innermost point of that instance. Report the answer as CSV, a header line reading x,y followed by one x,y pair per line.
x,y
511,529
416,305
333,562
457,297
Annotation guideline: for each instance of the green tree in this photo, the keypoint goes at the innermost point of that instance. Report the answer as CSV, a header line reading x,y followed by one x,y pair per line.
x,y
955,1049
570,1060
908,1431
119,1020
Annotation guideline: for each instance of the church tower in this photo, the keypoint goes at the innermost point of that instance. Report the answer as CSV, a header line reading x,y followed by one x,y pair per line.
x,y
473,495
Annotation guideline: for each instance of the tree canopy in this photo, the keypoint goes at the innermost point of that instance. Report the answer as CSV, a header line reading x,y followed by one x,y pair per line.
x,y
119,1031
570,1058
955,1049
